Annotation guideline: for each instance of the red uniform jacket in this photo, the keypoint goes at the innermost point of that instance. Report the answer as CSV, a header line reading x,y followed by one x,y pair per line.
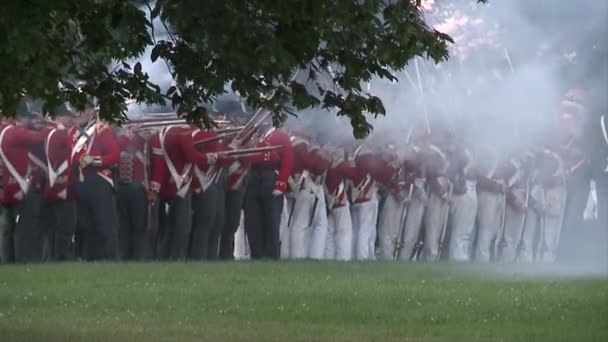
x,y
171,173
133,158
57,151
276,137
38,168
381,171
101,143
15,144
205,172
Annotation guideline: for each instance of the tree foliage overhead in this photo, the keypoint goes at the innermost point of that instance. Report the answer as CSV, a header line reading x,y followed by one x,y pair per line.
x,y
280,55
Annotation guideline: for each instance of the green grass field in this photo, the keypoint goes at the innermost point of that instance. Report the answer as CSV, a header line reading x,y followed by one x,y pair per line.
x,y
309,301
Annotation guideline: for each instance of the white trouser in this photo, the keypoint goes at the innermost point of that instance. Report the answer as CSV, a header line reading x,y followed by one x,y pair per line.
x,y
462,225
552,226
514,224
364,217
316,250
241,244
526,245
489,215
300,228
413,224
435,222
340,234
389,226
284,229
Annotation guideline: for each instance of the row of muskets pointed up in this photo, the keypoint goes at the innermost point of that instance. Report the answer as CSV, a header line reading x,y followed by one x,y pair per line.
x,y
157,188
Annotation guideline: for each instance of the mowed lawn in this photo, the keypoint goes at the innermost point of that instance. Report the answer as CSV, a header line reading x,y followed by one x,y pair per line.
x,y
308,301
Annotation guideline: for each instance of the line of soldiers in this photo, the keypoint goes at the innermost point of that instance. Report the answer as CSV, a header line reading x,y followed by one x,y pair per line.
x,y
79,188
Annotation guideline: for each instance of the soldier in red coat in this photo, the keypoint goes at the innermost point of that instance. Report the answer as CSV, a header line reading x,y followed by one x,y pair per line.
x,y
318,164
208,192
492,196
463,206
236,183
414,172
60,206
339,243
267,182
364,200
170,190
437,209
304,226
94,154
385,168
23,233
548,200
135,241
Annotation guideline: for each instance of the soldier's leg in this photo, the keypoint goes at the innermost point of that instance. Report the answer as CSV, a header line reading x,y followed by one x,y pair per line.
x,y
64,216
330,241
464,211
105,219
413,226
218,222
84,223
205,205
284,229
489,220
124,198
525,251
513,229
389,227
365,221
253,218
272,207
241,245
29,229
180,216
9,214
140,235
556,201
300,224
163,237
319,228
374,231
343,224
234,206
514,220
433,224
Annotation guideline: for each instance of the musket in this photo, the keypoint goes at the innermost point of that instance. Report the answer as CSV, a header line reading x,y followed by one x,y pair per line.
x,y
426,114
156,123
509,60
314,207
215,138
229,129
252,125
247,151
152,118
